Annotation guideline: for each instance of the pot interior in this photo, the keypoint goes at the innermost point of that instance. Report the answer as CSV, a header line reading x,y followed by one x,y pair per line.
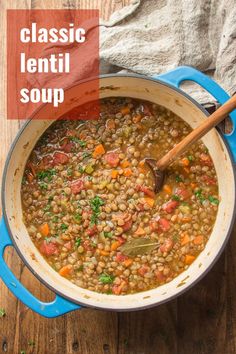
x,y
135,87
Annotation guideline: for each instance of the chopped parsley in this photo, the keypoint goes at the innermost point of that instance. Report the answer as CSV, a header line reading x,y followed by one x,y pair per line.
x,y
43,185
190,158
55,218
106,278
80,268
178,179
77,217
2,312
78,242
82,143
199,195
86,154
95,204
107,234
64,227
69,171
213,200
46,174
175,238
81,169
175,197
47,207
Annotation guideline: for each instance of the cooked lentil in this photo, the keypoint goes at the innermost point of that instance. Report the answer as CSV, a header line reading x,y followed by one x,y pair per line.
x,y
87,195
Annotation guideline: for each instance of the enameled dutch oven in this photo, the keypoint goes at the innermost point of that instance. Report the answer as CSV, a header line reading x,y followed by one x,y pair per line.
x,y
163,90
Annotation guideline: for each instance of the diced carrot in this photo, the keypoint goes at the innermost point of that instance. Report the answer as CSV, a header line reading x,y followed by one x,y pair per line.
x,y
65,271
115,245
125,110
185,239
149,201
167,189
114,174
187,170
198,240
141,163
185,219
128,262
98,151
137,118
110,124
128,172
125,164
82,136
104,253
140,231
189,259
184,162
117,289
193,185
141,166
44,229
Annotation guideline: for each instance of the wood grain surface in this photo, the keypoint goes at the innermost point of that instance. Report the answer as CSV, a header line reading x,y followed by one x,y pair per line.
x,y
202,321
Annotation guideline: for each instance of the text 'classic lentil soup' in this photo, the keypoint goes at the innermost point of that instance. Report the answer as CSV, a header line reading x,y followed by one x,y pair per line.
x,y
89,206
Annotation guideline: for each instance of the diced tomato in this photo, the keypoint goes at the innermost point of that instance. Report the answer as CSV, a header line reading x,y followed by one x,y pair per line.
x,y
154,225
121,240
47,160
170,206
146,110
127,225
112,158
87,246
145,190
160,276
70,132
48,248
60,158
183,193
120,257
117,289
77,186
206,160
209,181
143,270
164,224
167,245
92,230
140,207
68,245
67,145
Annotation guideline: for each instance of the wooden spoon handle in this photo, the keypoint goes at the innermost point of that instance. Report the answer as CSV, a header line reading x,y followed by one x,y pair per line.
x,y
197,133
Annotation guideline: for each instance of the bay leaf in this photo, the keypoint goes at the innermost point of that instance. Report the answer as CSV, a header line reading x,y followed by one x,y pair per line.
x,y
138,246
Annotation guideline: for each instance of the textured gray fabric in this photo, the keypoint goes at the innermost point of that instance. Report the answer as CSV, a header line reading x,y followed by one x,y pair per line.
x,y
154,36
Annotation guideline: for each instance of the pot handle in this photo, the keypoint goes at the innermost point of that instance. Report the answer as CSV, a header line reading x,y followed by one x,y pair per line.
x,y
187,73
57,307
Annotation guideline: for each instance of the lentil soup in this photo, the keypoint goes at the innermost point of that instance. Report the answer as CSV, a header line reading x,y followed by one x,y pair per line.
x,y
89,206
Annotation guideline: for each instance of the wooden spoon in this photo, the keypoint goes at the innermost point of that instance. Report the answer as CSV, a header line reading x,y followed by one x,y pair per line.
x,y
158,167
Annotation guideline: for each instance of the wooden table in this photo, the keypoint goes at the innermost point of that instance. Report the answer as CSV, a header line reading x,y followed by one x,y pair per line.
x,y
201,321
